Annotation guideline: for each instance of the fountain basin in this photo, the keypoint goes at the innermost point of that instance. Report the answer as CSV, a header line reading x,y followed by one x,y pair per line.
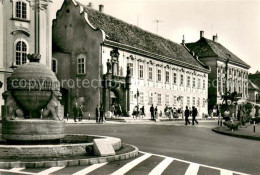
x,y
33,130
71,146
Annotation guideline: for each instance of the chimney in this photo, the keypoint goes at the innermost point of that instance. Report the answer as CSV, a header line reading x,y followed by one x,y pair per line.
x,y
215,38
183,41
101,8
201,34
90,5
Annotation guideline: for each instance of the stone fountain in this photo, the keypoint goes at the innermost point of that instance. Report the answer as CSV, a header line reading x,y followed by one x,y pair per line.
x,y
33,125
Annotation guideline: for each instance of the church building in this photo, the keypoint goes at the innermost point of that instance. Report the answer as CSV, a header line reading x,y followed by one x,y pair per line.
x,y
101,60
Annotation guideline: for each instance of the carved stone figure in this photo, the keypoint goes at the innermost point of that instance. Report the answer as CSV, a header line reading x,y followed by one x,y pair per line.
x,y
52,108
12,109
128,70
109,66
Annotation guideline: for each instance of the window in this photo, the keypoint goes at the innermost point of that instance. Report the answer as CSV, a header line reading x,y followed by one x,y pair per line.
x,y
193,101
167,77
198,102
159,99
81,65
20,53
199,84
174,78
131,96
150,72
167,99
203,102
131,66
159,75
193,82
204,84
188,81
141,71
141,95
21,10
181,80
188,101
54,65
151,98
181,100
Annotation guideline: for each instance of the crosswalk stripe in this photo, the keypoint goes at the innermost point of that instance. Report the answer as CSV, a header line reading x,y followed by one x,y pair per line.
x,y
18,172
162,166
225,172
16,169
50,170
193,169
89,169
131,165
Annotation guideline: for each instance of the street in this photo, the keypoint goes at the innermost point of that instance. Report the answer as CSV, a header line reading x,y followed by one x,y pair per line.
x,y
191,143
166,148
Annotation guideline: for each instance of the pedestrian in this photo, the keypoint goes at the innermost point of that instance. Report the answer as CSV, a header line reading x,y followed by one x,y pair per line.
x,y
187,114
101,114
194,115
97,114
152,112
113,110
119,110
156,112
142,112
75,111
80,112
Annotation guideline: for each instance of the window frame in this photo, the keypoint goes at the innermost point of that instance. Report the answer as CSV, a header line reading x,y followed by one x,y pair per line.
x,y
159,99
174,78
131,66
182,80
141,71
84,64
167,76
150,73
24,10
21,52
159,70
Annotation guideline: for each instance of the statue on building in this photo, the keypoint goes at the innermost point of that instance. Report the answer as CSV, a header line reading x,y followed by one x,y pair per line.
x,y
128,71
109,66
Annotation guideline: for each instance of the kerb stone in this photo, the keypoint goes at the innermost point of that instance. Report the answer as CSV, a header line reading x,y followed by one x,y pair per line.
x,y
102,147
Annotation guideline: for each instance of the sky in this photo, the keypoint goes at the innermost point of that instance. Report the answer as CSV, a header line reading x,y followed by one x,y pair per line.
x,y
236,22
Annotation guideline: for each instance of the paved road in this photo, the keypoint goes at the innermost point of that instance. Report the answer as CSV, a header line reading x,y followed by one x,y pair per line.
x,y
191,143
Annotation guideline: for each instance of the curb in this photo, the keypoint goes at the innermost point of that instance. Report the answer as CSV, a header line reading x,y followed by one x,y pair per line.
x,y
70,162
235,134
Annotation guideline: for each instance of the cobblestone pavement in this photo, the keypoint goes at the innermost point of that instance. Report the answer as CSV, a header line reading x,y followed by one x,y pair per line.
x,y
145,163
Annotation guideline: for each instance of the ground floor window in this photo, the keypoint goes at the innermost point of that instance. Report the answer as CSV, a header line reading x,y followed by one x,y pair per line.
x,y
131,97
159,99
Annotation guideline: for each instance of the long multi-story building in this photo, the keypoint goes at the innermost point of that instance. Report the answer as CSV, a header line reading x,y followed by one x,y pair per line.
x,y
228,73
23,24
94,49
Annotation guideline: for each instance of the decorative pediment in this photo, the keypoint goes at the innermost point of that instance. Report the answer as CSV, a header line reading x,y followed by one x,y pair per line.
x,y
21,30
159,65
167,66
130,57
150,62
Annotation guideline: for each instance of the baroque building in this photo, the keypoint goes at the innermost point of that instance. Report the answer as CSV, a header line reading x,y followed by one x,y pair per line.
x,y
103,60
23,25
228,73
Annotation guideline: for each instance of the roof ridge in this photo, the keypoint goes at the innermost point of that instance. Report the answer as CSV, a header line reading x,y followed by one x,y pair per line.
x,y
90,8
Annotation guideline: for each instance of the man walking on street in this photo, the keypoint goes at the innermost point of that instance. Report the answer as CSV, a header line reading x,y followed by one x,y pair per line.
x,y
194,115
101,113
75,111
97,112
152,112
187,114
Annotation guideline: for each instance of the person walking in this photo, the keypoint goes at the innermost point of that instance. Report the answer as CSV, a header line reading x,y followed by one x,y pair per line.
x,y
194,115
97,114
101,114
152,112
75,112
80,113
113,110
187,114
156,112
119,111
142,112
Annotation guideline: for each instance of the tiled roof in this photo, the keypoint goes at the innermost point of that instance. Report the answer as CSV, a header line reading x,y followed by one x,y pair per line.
x,y
255,79
208,48
252,86
121,32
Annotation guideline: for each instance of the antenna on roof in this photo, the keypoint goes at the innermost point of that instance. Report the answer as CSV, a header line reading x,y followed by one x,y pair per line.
x,y
157,21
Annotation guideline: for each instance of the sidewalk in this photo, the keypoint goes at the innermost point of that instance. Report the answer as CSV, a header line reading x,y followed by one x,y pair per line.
x,y
242,132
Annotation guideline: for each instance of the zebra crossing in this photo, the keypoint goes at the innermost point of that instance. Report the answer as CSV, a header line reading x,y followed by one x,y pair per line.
x,y
145,163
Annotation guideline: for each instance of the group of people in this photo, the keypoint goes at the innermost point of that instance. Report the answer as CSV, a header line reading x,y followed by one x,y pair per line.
x,y
172,112
116,110
99,114
193,113
138,112
78,112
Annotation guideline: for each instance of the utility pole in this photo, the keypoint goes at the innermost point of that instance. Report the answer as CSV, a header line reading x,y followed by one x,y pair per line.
x,y
157,21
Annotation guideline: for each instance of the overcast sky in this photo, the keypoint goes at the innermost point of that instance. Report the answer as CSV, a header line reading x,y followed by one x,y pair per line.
x,y
237,22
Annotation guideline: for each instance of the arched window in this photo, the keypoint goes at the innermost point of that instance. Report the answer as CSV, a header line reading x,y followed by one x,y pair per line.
x,y
20,53
21,10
